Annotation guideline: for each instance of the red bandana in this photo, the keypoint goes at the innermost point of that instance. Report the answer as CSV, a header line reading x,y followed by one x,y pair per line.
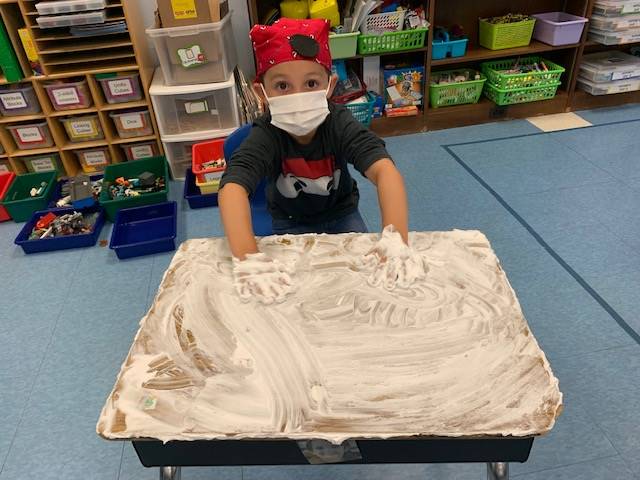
x,y
290,39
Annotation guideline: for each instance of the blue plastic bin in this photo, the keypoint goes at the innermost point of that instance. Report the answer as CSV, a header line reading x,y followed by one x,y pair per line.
x,y
145,230
59,243
452,48
192,193
57,190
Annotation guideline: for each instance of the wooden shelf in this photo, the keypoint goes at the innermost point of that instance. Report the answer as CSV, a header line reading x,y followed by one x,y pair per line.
x,y
93,44
146,138
21,118
35,151
64,113
391,126
121,106
64,71
83,145
55,37
479,53
384,54
583,100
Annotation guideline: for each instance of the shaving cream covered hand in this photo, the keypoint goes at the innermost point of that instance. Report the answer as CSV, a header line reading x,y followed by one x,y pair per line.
x,y
393,262
262,277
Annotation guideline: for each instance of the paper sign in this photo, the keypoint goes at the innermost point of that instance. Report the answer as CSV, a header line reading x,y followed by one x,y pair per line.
x,y
29,134
141,151
631,8
132,121
195,107
13,101
66,96
120,88
210,177
83,128
183,9
95,158
192,56
42,165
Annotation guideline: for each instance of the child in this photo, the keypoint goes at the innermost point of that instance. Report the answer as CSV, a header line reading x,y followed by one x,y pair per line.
x,y
302,145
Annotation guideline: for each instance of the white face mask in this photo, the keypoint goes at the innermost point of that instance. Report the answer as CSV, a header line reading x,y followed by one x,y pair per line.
x,y
299,113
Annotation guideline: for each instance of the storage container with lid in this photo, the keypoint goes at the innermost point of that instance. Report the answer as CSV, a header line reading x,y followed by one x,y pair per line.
x,y
47,162
68,6
616,7
623,22
56,21
69,95
120,87
132,123
607,88
94,159
83,128
18,99
202,53
31,135
136,151
607,66
614,38
186,109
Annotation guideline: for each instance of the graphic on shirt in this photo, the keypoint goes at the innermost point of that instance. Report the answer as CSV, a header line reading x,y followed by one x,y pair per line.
x,y
315,177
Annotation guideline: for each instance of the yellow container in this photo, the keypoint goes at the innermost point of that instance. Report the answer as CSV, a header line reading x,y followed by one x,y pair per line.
x,y
294,9
325,9
208,187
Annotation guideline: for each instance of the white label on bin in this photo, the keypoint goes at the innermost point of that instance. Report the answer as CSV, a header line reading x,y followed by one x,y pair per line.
x,y
4,168
630,8
132,121
192,56
66,96
95,158
141,151
210,177
82,128
196,107
29,134
13,101
120,88
42,165
624,75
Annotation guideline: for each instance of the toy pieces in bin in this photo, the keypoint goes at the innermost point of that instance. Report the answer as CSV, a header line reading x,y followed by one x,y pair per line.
x,y
456,76
508,18
52,225
146,182
38,190
218,163
526,67
403,86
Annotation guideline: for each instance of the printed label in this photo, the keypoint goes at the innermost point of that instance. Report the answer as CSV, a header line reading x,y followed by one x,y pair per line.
x,y
631,8
625,88
29,134
13,101
625,75
132,121
120,88
141,151
196,107
3,168
66,96
95,158
42,165
210,177
183,9
191,56
83,128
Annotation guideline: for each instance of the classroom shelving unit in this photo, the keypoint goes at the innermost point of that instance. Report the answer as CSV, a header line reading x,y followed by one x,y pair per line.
x,y
466,13
62,57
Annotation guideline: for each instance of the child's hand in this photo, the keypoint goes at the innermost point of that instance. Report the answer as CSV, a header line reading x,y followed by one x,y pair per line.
x,y
262,277
394,263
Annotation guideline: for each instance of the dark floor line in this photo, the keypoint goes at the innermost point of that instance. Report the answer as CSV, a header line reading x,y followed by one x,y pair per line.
x,y
603,303
535,134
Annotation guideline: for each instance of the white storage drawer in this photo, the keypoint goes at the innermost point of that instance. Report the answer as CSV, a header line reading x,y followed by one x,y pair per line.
x,y
607,66
608,88
67,6
71,20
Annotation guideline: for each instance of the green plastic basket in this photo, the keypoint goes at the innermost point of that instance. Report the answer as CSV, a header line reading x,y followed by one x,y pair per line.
x,y
442,95
392,41
363,112
343,45
505,35
18,201
157,165
520,95
506,81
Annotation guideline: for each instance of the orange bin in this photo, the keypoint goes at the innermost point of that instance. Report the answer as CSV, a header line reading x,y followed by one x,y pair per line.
x,y
205,152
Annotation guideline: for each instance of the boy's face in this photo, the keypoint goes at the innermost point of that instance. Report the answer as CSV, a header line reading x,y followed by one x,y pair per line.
x,y
296,77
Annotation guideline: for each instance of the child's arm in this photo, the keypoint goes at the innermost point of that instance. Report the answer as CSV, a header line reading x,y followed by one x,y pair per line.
x,y
392,196
236,218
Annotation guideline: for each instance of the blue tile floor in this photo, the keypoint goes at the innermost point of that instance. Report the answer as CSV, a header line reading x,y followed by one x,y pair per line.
x,y
561,210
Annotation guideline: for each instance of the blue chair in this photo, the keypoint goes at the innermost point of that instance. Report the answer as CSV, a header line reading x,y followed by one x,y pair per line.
x,y
260,216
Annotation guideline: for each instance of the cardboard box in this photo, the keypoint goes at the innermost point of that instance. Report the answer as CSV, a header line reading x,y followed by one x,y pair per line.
x,y
403,86
178,13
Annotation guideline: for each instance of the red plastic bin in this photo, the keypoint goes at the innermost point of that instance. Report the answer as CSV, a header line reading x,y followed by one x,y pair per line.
x,y
205,152
5,182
